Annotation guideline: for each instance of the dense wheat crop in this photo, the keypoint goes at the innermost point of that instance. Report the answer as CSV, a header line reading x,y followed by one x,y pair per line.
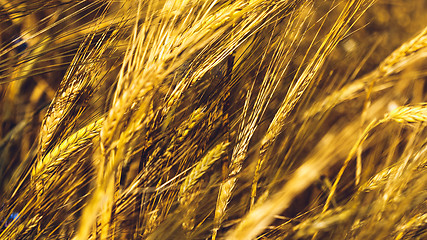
x,y
213,119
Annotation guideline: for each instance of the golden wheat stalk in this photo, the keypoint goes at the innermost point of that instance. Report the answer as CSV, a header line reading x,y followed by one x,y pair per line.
x,y
350,156
325,221
239,151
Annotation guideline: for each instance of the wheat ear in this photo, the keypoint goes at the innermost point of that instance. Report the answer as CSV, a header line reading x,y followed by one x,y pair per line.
x,y
50,162
408,114
201,167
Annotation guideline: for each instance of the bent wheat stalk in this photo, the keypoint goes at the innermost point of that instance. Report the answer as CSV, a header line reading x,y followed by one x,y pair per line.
x,y
405,114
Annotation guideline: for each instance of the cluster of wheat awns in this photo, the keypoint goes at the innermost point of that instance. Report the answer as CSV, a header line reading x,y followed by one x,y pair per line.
x,y
185,119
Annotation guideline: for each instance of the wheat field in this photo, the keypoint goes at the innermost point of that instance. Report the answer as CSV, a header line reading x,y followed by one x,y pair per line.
x,y
213,119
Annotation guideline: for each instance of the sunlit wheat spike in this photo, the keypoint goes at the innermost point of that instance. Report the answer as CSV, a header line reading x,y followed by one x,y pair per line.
x,y
294,94
378,179
408,114
400,55
70,145
383,176
79,83
162,50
